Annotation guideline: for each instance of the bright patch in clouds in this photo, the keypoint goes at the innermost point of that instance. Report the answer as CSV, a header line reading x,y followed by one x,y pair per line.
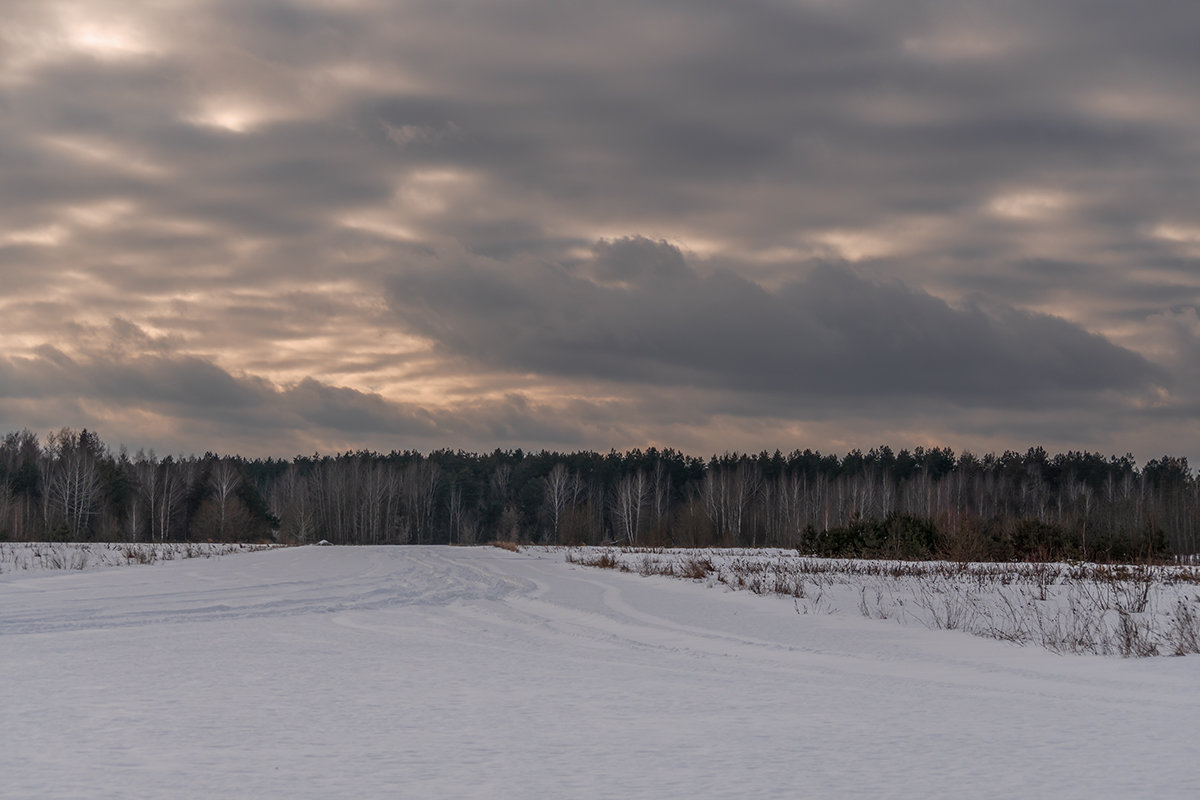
x,y
1029,205
856,245
100,214
228,116
1186,234
107,40
48,236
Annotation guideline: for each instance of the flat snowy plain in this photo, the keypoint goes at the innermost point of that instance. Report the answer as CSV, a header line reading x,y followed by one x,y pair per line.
x,y
437,672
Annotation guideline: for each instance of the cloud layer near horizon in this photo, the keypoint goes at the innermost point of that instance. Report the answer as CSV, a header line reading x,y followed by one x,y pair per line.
x,y
284,226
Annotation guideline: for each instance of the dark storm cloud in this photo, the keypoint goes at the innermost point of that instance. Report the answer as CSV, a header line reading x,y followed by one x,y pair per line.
x,y
255,183
643,316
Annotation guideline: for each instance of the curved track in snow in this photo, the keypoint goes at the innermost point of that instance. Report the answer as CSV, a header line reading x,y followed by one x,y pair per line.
x,y
459,672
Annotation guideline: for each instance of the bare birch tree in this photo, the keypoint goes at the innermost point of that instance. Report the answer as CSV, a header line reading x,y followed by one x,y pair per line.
x,y
74,482
224,481
629,498
558,495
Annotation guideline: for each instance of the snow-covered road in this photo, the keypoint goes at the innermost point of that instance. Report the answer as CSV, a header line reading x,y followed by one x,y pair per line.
x,y
475,672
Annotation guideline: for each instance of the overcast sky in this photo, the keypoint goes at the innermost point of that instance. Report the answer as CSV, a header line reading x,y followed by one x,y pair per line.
x,y
278,227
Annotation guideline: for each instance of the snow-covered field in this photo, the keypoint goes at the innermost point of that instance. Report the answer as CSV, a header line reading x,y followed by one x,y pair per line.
x,y
475,672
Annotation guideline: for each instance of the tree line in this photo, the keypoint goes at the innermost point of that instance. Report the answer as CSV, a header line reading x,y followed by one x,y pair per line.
x,y
919,503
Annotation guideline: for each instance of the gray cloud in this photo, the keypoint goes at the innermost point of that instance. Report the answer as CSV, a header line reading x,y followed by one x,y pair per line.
x,y
337,208
830,336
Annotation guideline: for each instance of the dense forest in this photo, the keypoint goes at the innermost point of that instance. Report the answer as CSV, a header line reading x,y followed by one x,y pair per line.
x,y
918,503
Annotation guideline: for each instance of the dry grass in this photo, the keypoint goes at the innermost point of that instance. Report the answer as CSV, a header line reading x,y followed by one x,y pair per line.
x,y
27,556
604,559
1134,610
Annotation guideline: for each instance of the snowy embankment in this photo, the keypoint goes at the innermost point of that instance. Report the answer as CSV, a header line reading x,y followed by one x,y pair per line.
x,y
1066,608
39,556
475,672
